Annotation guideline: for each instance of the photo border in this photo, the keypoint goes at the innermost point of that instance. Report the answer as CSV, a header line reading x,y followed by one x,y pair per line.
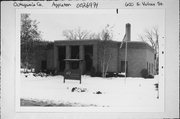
x,y
171,69
83,109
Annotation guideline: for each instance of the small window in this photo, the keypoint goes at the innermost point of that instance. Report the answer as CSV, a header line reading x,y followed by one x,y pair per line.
x,y
123,66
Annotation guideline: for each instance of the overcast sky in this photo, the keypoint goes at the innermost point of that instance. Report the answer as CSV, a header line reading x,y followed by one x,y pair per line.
x,y
53,23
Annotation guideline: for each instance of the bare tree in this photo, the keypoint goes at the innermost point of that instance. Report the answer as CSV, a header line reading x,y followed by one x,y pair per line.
x,y
94,36
105,52
76,34
69,34
82,34
151,37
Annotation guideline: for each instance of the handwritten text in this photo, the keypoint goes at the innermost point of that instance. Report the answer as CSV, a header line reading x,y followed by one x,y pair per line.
x,y
143,4
59,5
87,5
29,4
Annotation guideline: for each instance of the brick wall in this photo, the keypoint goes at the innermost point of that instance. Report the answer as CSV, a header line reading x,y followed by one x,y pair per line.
x,y
113,64
111,49
136,61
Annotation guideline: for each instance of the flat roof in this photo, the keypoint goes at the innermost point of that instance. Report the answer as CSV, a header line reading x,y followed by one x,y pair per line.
x,y
130,44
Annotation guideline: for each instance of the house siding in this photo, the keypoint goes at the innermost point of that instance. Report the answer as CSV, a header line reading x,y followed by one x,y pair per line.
x,y
136,61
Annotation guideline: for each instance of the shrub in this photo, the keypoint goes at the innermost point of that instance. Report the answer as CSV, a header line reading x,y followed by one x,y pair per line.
x,y
93,72
150,76
98,74
144,73
111,74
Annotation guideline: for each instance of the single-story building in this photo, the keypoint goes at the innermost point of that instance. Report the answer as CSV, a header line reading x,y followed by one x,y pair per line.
x,y
139,56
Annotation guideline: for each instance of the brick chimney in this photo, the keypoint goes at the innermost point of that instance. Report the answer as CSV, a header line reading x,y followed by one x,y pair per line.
x,y
128,32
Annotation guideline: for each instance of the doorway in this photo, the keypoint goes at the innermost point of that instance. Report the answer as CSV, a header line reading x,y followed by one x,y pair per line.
x,y
88,57
61,57
74,55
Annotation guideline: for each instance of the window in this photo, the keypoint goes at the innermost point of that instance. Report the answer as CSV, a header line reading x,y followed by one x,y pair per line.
x,y
123,66
152,68
147,67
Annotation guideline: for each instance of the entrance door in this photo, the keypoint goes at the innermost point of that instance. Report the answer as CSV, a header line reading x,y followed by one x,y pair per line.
x,y
74,55
88,58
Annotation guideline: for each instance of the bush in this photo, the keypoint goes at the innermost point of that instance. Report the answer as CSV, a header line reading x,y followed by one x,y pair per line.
x,y
112,74
144,73
98,74
150,76
93,72
51,72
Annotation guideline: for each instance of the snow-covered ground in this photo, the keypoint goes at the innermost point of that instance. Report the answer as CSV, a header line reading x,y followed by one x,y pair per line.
x,y
106,92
